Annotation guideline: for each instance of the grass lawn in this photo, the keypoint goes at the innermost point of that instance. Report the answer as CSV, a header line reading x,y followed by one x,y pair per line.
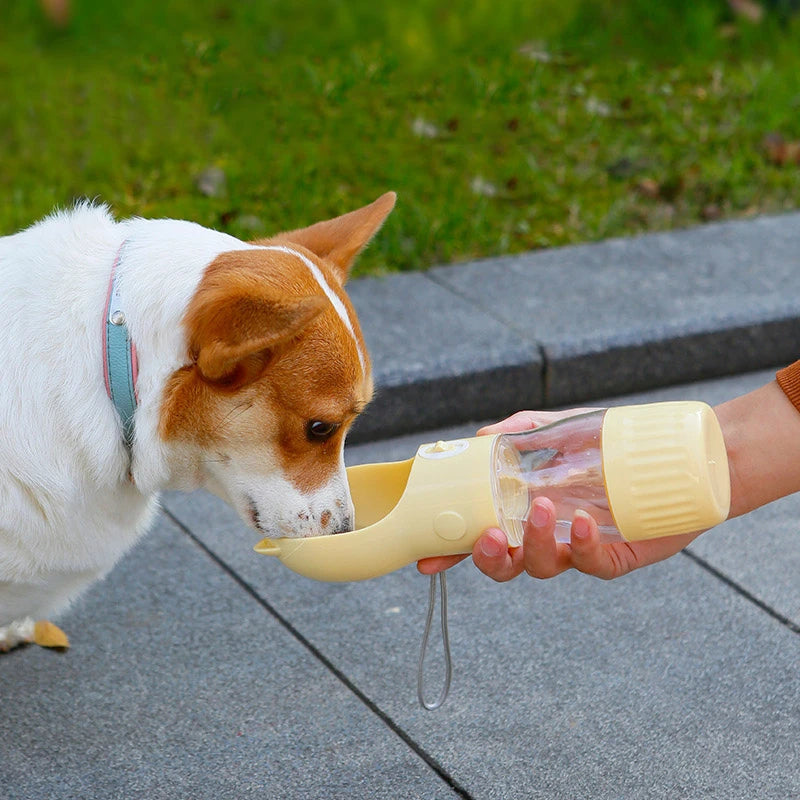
x,y
503,125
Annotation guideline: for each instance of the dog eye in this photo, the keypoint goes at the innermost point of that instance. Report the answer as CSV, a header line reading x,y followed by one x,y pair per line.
x,y
319,431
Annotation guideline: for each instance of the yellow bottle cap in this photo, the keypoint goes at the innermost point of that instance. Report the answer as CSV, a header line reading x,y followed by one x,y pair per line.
x,y
665,468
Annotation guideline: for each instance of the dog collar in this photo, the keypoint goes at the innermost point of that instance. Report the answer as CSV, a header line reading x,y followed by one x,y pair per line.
x,y
120,365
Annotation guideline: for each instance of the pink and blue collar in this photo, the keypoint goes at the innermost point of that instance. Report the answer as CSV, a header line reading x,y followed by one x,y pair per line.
x,y
120,366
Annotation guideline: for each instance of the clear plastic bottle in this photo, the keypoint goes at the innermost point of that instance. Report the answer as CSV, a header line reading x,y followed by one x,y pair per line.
x,y
641,471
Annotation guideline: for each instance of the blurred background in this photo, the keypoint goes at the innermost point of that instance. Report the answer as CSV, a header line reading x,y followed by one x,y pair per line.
x,y
503,126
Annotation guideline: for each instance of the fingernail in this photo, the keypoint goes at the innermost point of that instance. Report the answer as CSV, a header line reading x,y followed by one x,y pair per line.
x,y
540,516
491,547
580,525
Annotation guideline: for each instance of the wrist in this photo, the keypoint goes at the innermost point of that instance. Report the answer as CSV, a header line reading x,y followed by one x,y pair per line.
x,y
731,432
762,438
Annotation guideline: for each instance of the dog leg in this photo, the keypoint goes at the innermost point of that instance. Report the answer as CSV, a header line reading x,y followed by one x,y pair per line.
x,y
26,631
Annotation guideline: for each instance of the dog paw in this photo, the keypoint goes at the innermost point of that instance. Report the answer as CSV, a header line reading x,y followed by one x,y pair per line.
x,y
26,631
45,634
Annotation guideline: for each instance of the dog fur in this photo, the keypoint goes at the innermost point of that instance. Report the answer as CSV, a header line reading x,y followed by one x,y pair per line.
x,y
252,366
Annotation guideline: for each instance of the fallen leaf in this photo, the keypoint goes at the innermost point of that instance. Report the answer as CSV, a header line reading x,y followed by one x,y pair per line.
x,y
748,9
536,51
57,11
483,187
597,108
251,222
211,182
424,129
649,188
779,151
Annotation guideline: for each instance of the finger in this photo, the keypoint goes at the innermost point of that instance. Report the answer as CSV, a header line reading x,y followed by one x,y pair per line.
x,y
614,559
493,557
544,557
527,420
589,555
521,421
430,566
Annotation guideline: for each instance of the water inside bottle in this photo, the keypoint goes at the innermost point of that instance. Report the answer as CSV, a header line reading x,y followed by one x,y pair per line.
x,y
561,461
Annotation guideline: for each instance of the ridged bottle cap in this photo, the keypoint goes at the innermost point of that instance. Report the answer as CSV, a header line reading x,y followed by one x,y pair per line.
x,y
665,468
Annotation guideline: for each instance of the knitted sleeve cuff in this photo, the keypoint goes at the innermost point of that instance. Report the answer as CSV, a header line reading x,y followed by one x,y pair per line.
x,y
789,380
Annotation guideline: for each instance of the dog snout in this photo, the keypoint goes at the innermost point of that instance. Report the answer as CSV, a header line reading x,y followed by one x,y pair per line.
x,y
332,524
345,525
302,523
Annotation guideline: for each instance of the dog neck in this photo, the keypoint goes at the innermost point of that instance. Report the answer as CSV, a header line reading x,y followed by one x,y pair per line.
x,y
119,355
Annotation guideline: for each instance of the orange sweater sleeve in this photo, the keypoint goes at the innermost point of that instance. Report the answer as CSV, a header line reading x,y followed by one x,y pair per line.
x,y
789,380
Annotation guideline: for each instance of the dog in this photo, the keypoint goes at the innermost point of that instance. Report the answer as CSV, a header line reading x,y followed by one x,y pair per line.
x,y
145,355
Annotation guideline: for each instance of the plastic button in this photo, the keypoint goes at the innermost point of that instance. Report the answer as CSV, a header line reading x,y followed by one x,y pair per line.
x,y
450,525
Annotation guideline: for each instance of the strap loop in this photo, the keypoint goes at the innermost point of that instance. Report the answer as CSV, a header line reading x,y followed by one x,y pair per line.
x,y
448,666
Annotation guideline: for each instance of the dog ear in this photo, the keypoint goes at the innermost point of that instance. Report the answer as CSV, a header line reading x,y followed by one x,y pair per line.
x,y
232,339
339,240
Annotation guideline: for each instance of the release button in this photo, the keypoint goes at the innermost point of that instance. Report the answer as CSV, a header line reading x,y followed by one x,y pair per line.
x,y
450,525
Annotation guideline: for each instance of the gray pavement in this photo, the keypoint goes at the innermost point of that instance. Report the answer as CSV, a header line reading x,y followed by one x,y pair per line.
x,y
200,670
566,325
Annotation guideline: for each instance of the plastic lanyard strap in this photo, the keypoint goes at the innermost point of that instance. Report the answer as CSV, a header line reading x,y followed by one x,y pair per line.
x,y
448,666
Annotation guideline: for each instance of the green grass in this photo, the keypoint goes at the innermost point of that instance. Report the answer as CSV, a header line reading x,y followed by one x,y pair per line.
x,y
503,126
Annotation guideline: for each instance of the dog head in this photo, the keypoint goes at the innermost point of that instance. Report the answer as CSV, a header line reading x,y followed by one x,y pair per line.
x,y
278,372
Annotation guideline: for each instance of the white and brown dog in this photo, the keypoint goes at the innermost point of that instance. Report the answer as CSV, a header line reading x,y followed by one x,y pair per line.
x,y
246,360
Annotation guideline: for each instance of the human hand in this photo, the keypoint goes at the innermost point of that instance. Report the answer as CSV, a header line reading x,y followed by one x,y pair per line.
x,y
541,556
491,550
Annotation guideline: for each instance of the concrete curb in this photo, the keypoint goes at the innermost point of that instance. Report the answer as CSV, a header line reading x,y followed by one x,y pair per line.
x,y
556,327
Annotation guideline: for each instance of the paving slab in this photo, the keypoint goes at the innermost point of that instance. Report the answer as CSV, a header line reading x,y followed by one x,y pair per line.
x,y
433,353
180,685
676,681
562,325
